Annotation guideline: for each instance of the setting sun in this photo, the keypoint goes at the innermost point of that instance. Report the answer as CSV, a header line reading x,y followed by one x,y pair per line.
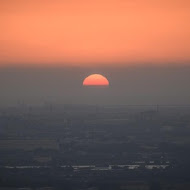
x,y
95,80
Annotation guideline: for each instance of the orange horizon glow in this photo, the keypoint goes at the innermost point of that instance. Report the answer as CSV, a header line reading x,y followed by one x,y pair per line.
x,y
95,80
55,32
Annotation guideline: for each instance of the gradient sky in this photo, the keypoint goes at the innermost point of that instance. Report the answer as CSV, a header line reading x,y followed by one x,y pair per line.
x,y
89,32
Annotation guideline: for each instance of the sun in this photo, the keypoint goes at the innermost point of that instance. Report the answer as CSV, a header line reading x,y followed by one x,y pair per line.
x,y
96,80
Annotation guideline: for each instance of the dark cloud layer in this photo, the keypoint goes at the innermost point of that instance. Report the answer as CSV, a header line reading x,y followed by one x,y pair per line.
x,y
128,85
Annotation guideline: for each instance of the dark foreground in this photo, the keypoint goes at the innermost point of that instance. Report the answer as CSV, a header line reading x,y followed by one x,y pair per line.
x,y
95,147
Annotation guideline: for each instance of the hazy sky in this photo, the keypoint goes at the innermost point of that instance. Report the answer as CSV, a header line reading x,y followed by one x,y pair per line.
x,y
70,39
86,32
128,85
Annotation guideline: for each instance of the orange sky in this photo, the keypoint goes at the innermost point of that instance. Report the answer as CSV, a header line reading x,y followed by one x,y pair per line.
x,y
89,32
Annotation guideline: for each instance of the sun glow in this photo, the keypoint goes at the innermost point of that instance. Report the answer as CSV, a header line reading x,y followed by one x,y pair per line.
x,y
84,33
95,80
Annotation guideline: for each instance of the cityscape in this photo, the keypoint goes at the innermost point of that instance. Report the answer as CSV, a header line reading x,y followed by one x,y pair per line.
x,y
89,147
